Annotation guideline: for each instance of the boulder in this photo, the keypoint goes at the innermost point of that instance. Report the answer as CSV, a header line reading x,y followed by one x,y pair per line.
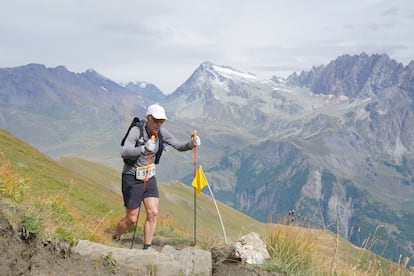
x,y
251,249
188,261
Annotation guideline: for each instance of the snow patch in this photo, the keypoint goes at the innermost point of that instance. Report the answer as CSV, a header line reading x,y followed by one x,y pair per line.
x,y
343,98
233,73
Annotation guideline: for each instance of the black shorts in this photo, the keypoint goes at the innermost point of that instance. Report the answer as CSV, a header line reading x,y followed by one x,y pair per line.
x,y
132,190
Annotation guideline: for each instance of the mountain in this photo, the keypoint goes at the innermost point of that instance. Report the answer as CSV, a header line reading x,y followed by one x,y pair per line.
x,y
353,76
47,207
333,143
62,112
147,90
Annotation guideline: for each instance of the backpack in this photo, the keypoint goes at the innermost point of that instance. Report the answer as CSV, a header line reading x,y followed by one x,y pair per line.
x,y
138,123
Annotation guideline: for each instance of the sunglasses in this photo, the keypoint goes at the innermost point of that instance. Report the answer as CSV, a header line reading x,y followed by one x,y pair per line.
x,y
158,121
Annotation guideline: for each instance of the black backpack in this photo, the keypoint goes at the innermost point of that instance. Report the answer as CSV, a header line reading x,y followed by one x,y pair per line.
x,y
136,122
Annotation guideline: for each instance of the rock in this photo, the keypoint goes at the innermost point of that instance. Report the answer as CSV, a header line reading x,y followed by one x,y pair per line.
x,y
188,261
225,263
251,249
192,261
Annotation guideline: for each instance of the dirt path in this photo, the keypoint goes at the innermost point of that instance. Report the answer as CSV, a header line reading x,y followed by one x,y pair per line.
x,y
34,257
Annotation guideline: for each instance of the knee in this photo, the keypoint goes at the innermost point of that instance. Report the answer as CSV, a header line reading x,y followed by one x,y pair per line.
x,y
152,214
131,220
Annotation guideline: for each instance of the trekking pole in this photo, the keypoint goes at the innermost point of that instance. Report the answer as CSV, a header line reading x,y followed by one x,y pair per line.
x,y
195,196
143,190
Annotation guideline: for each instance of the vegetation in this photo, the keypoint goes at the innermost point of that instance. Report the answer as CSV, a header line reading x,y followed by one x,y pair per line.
x,y
72,200
299,250
31,225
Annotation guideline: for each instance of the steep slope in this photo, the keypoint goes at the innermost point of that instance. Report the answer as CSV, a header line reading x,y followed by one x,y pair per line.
x,y
345,131
334,143
63,112
94,191
352,76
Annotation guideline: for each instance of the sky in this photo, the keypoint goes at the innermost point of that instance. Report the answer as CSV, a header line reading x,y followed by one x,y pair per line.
x,y
164,41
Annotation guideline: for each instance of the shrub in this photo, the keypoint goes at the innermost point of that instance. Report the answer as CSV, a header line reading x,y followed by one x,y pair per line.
x,y
31,225
12,185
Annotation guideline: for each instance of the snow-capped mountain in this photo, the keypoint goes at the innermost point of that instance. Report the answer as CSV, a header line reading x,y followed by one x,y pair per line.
x,y
334,143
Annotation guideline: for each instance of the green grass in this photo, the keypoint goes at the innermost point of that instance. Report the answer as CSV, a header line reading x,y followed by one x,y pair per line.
x,y
59,195
78,199
177,205
31,225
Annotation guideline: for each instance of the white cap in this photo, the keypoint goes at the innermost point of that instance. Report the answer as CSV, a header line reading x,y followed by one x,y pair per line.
x,y
156,111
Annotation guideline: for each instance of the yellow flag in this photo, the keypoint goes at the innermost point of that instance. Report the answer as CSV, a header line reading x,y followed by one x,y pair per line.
x,y
200,180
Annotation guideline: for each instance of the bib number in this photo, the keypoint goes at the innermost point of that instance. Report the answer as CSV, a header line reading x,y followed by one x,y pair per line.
x,y
145,172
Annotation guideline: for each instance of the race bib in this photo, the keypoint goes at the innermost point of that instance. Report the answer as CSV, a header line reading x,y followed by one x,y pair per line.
x,y
145,172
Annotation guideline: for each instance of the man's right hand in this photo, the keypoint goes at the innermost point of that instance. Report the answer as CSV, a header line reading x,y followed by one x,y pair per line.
x,y
150,145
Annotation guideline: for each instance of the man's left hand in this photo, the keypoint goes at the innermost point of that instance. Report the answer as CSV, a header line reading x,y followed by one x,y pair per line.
x,y
196,141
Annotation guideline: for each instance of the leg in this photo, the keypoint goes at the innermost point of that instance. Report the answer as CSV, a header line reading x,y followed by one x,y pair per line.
x,y
132,196
130,218
151,206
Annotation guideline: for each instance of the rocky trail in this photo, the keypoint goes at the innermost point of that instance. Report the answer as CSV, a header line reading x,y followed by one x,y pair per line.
x,y
34,257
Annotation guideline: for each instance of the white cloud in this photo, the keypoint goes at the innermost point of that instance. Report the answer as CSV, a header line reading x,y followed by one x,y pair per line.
x,y
163,42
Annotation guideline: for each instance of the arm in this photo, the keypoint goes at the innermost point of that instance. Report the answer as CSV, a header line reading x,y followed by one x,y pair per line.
x,y
169,139
129,151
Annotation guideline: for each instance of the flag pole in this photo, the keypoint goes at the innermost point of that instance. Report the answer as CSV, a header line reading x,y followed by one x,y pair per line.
x,y
195,196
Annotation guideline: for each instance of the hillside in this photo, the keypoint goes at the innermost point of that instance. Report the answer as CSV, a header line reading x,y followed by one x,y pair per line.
x,y
177,203
75,200
334,143
95,192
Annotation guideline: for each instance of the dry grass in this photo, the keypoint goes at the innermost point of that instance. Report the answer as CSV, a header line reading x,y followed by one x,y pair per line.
x,y
12,185
299,250
71,207
293,247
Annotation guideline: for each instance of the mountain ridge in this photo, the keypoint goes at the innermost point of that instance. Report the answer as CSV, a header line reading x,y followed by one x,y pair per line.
x,y
344,131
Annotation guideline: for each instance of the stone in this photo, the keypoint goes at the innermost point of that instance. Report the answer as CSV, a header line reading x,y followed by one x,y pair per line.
x,y
251,249
188,261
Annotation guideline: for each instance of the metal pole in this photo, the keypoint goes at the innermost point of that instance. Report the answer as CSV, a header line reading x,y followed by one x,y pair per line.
x,y
195,196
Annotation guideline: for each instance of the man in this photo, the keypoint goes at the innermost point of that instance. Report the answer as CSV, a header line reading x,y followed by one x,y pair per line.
x,y
139,181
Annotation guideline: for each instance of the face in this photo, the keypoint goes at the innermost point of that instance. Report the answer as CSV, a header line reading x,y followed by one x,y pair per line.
x,y
153,124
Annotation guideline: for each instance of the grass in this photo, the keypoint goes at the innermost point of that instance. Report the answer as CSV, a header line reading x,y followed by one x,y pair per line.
x,y
68,204
110,263
291,249
177,206
12,185
298,250
31,225
77,199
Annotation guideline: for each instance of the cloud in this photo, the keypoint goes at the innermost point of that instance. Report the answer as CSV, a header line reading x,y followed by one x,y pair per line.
x,y
163,42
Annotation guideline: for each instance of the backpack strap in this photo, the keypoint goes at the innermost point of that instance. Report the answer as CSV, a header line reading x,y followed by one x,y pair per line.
x,y
160,148
135,122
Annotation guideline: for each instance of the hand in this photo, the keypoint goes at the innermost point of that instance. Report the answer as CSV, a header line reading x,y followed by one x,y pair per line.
x,y
196,141
150,145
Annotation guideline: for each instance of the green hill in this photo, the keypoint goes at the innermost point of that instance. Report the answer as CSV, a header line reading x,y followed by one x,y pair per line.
x,y
92,191
177,201
74,199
